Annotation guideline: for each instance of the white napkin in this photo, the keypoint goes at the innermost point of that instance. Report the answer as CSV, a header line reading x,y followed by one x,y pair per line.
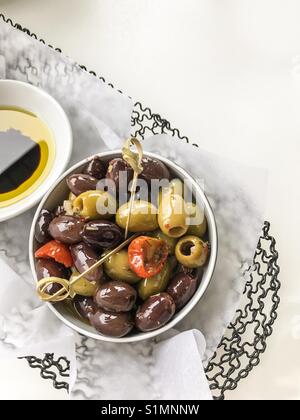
x,y
171,369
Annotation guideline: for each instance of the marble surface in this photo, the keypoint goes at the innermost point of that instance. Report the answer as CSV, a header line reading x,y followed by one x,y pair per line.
x,y
239,62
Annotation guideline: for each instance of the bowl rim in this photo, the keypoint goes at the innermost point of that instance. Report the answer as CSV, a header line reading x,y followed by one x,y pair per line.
x,y
201,289
34,198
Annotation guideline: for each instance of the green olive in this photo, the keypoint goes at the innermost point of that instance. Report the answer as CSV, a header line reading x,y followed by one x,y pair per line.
x,y
171,242
95,205
176,187
191,251
156,284
193,211
117,268
143,216
83,286
171,215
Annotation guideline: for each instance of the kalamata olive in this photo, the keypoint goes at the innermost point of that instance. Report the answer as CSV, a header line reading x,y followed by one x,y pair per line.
x,y
112,324
116,296
66,229
50,268
182,288
84,257
95,168
85,306
116,166
154,169
155,312
102,234
42,225
80,183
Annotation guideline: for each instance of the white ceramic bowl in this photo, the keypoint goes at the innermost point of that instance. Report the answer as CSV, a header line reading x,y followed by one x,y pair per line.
x,y
60,191
23,95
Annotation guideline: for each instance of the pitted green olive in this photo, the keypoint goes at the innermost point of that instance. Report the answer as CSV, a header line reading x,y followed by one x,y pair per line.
x,y
95,205
156,284
171,215
196,215
171,242
117,268
191,251
176,187
83,287
143,217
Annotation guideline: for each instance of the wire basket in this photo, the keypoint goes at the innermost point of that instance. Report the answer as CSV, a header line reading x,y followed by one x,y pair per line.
x,y
245,340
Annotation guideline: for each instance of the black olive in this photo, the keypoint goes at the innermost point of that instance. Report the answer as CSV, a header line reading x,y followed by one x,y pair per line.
x,y
42,225
102,234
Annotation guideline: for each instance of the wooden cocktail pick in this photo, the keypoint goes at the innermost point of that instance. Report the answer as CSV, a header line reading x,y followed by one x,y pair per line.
x,y
66,286
134,160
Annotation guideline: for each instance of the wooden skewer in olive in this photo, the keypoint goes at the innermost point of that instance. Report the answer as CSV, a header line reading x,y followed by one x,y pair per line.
x,y
66,286
135,161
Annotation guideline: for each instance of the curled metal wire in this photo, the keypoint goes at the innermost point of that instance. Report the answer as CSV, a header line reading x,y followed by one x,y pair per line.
x,y
245,340
55,369
246,337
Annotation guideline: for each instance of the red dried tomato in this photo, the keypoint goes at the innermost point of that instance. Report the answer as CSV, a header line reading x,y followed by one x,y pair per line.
x,y
56,250
147,256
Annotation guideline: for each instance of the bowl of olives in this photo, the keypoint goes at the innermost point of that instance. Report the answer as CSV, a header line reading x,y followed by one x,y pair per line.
x,y
155,264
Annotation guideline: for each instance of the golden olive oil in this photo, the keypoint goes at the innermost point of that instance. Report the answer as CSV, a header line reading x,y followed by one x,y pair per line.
x,y
27,152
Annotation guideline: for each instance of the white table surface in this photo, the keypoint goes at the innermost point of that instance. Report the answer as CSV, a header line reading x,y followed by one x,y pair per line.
x,y
227,73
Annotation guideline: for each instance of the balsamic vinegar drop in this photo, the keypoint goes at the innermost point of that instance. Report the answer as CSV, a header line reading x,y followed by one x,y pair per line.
x,y
27,152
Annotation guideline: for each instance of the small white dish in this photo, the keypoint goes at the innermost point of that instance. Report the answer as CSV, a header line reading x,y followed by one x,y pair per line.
x,y
30,98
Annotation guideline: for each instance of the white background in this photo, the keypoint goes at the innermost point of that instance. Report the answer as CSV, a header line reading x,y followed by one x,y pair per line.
x,y
227,73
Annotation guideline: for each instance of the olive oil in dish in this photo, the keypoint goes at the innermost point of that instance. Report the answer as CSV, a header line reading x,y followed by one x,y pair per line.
x,y
27,152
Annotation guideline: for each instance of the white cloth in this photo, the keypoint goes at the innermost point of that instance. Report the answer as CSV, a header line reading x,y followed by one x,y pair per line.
x,y
173,368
